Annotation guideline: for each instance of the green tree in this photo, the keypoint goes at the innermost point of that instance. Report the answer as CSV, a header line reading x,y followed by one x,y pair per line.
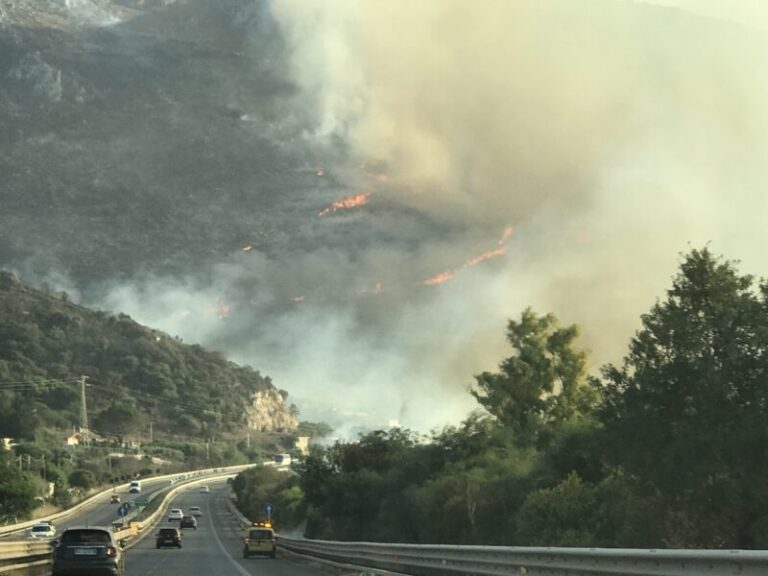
x,y
83,479
17,492
542,382
688,409
121,419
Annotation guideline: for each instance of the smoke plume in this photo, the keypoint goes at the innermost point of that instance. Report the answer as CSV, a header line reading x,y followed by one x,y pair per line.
x,y
593,141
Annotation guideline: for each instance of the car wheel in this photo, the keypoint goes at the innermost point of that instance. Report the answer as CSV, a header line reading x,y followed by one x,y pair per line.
x,y
273,554
245,553
157,546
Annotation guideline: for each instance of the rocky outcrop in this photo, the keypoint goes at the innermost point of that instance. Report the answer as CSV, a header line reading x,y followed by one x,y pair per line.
x,y
270,413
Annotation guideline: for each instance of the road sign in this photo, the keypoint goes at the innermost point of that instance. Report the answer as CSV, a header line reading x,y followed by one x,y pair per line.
x,y
268,508
141,502
122,510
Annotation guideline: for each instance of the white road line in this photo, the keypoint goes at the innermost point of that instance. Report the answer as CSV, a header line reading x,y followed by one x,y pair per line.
x,y
234,562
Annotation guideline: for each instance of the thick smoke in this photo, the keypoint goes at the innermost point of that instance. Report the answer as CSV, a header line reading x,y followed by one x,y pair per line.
x,y
610,136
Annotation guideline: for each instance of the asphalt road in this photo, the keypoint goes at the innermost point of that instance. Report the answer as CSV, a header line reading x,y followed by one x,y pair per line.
x,y
214,549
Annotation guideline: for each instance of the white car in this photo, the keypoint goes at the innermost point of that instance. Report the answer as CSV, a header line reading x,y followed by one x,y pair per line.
x,y
205,490
195,511
175,514
42,530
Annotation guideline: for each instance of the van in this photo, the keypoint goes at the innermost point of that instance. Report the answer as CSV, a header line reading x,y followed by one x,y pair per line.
x,y
134,487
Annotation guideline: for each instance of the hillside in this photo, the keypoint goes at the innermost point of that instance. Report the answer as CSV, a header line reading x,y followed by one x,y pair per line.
x,y
136,375
137,132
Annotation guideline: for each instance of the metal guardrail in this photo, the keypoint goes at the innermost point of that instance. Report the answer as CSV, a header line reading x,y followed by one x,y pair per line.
x,y
12,554
444,560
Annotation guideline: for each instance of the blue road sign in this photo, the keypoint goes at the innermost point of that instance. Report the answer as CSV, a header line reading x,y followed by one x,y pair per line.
x,y
269,509
122,510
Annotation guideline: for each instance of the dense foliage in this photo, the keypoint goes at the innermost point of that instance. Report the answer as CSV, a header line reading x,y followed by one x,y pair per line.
x,y
135,374
669,449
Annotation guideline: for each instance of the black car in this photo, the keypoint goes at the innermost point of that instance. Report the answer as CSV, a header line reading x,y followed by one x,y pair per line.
x,y
168,537
90,550
188,522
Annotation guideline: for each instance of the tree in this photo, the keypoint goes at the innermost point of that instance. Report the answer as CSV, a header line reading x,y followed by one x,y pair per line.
x,y
688,409
542,382
121,419
17,492
82,479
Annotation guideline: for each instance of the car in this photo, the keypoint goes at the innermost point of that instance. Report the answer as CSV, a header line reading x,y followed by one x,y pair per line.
x,y
135,487
188,522
195,511
90,550
175,514
42,530
114,499
259,540
205,490
168,537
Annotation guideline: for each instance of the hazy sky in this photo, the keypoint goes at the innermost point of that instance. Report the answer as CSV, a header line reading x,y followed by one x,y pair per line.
x,y
750,13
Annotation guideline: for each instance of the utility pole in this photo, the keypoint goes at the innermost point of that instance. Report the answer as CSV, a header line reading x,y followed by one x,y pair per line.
x,y
83,411
207,450
248,440
151,432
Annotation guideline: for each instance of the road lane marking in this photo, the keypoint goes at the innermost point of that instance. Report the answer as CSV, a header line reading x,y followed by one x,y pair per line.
x,y
234,562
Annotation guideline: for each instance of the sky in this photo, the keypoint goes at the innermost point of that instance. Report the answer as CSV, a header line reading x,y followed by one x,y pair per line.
x,y
496,155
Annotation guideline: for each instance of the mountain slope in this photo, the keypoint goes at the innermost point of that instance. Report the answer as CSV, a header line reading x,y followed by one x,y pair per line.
x,y
135,374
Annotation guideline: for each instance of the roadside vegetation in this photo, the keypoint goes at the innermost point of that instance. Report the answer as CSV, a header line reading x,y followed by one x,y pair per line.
x,y
666,449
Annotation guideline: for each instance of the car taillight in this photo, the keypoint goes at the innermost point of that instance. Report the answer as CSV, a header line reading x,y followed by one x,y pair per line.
x,y
111,551
247,540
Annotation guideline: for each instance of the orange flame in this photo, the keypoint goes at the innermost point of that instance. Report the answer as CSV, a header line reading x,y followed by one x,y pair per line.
x,y
486,256
439,279
346,203
247,248
320,172
506,235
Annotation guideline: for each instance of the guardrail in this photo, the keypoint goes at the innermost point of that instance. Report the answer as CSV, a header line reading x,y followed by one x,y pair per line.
x,y
439,560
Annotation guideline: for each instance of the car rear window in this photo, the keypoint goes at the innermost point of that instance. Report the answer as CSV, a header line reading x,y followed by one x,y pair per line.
x,y
86,537
41,528
168,531
260,535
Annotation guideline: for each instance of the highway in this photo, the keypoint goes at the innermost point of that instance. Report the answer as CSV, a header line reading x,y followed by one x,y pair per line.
x,y
214,549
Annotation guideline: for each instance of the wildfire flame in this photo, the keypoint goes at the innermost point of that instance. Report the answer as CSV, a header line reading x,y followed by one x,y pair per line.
x,y
320,172
298,299
346,203
486,256
247,248
506,234
439,279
